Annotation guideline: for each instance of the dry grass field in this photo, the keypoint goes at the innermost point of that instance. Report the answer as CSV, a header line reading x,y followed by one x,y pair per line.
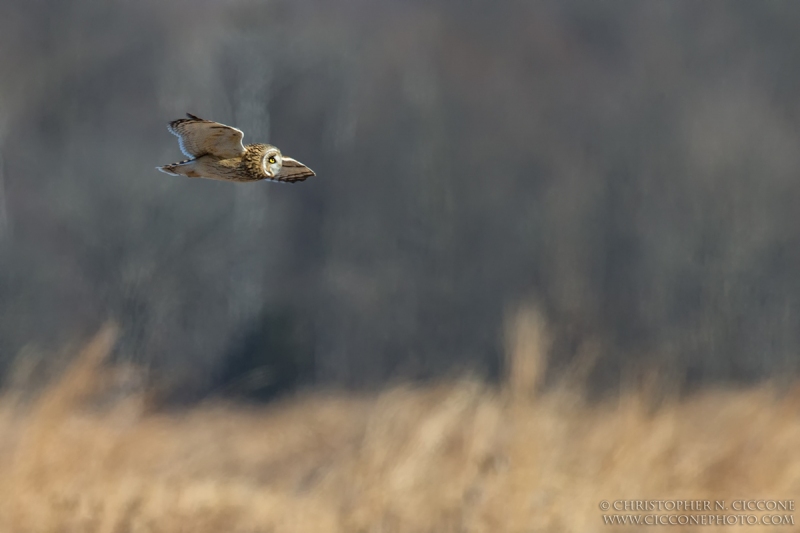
x,y
454,457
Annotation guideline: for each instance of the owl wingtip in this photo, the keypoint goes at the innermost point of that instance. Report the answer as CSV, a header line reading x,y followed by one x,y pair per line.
x,y
166,169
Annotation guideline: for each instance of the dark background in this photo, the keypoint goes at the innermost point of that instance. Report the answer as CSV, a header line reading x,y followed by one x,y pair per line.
x,y
630,168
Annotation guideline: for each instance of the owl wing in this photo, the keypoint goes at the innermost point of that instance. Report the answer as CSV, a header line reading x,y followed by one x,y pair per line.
x,y
198,137
293,170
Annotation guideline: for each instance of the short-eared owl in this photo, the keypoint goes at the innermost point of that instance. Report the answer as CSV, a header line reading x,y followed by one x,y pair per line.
x,y
217,153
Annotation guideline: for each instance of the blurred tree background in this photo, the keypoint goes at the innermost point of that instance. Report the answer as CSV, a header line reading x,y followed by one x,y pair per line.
x,y
630,168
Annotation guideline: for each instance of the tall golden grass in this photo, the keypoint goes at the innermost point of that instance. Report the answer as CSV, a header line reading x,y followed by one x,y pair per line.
x,y
460,456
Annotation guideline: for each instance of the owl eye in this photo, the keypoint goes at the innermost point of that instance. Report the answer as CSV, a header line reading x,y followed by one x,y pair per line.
x,y
271,160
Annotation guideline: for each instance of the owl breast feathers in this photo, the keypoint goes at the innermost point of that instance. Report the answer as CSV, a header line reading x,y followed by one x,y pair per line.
x,y
216,152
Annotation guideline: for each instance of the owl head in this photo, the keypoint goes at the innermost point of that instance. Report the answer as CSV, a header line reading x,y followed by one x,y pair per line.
x,y
278,167
272,162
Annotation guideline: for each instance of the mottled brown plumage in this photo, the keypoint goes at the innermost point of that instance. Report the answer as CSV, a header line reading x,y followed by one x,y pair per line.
x,y
216,152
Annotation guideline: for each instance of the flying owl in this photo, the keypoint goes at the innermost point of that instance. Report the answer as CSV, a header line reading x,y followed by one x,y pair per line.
x,y
216,152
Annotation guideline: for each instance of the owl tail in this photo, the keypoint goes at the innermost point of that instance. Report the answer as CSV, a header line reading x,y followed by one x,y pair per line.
x,y
182,168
